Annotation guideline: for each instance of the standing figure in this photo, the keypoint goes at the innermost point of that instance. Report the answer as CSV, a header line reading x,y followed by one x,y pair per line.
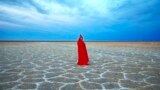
x,y
82,52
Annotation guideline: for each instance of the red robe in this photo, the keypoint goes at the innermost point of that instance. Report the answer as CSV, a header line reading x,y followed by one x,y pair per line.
x,y
82,52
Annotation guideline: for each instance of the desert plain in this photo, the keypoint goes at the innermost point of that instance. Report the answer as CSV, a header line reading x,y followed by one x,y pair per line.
x,y
53,66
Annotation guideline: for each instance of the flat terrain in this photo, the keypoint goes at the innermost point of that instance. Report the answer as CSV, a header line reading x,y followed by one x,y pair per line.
x,y
52,66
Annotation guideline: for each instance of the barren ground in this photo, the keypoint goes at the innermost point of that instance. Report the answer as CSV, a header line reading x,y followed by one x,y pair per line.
x,y
52,66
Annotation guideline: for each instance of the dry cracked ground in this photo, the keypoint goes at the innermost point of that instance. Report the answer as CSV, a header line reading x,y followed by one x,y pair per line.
x,y
52,66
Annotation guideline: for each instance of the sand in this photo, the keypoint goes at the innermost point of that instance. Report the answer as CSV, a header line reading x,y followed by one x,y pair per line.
x,y
52,66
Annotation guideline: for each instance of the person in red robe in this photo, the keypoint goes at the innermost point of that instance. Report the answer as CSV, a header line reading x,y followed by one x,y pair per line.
x,y
82,52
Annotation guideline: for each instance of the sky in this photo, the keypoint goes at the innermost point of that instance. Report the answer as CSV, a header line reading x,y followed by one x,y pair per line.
x,y
65,20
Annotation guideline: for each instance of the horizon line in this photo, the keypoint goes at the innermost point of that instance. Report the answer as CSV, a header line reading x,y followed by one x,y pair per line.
x,y
76,40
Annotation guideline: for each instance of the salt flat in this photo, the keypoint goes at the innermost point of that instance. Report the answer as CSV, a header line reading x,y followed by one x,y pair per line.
x,y
52,66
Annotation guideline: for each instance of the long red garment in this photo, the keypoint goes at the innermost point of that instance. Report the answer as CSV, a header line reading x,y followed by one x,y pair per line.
x,y
82,52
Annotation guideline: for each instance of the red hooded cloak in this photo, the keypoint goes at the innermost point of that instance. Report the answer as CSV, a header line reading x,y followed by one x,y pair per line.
x,y
82,52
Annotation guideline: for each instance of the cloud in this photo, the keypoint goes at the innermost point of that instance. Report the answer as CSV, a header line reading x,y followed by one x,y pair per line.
x,y
101,19
9,24
29,15
52,11
74,12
